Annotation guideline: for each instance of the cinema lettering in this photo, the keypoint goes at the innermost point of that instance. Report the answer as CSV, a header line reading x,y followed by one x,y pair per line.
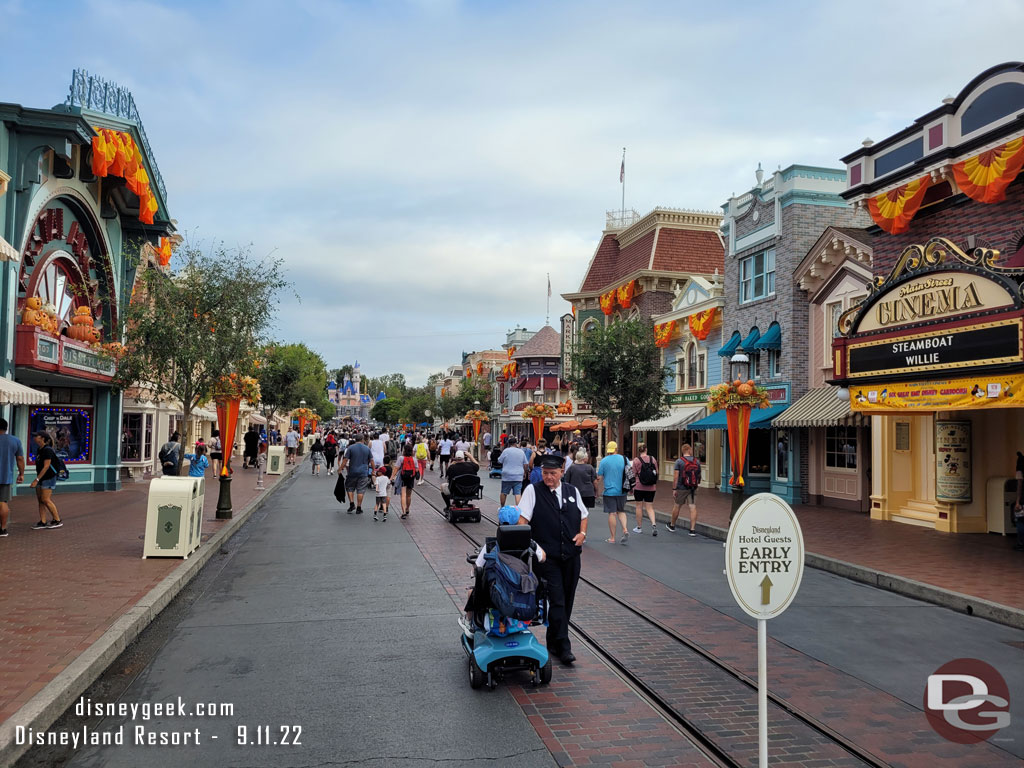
x,y
938,309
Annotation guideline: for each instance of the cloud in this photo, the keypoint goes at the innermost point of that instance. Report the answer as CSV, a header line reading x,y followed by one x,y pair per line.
x,y
421,165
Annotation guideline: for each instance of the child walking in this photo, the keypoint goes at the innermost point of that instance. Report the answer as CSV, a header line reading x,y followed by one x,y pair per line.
x,y
381,481
197,462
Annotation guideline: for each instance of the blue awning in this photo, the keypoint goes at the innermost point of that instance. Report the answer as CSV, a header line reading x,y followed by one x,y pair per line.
x,y
751,340
730,346
760,418
772,338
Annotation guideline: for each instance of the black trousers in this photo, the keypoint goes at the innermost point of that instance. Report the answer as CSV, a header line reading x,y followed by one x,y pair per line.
x,y
561,577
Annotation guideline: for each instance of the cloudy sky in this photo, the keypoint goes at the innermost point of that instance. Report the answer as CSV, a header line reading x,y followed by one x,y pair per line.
x,y
422,165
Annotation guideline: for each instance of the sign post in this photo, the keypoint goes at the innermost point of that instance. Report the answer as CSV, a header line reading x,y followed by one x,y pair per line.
x,y
764,563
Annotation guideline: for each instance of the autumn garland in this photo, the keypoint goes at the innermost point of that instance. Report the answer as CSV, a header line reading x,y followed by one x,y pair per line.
x,y
235,387
737,393
538,410
477,415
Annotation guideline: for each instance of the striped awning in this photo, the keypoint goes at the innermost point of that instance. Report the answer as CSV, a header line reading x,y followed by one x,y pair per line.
x,y
8,252
677,418
13,393
821,407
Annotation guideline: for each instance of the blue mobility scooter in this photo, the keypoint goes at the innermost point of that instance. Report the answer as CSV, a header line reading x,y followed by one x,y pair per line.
x,y
499,645
495,468
464,490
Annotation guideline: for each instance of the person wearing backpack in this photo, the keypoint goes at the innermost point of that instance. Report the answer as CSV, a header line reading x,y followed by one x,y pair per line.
x,y
422,454
685,481
407,474
47,464
646,470
168,455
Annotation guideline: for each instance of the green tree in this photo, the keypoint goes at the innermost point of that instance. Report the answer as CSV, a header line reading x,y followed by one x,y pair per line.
x,y
392,385
472,390
388,411
185,330
446,408
618,371
289,373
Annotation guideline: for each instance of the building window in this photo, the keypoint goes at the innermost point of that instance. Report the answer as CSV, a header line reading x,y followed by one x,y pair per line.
x,y
131,436
147,438
782,455
757,276
841,447
774,363
691,366
755,365
702,374
759,451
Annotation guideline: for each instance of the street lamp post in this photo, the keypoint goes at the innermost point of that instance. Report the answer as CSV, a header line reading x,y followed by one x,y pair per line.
x,y
738,419
476,429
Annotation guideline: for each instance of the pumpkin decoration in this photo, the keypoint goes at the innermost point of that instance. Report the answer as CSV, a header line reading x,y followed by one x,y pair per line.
x,y
32,314
52,324
95,336
737,383
81,325
745,390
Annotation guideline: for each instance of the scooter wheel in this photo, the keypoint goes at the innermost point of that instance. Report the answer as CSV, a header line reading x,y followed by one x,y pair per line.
x,y
545,673
476,675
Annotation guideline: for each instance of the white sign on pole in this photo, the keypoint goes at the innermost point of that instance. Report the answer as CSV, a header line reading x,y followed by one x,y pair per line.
x,y
764,556
764,562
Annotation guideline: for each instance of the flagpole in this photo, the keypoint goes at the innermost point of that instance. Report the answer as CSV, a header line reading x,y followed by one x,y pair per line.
x,y
547,314
623,184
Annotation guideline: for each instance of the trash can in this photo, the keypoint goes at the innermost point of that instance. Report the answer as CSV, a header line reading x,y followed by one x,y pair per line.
x,y
1000,495
302,447
195,528
275,460
171,520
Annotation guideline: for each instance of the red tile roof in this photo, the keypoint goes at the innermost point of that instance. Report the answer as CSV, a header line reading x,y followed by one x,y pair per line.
x,y
686,250
547,342
677,250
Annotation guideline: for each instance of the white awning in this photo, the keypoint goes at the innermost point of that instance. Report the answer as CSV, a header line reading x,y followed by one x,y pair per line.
x,y
203,414
255,418
13,393
677,418
8,252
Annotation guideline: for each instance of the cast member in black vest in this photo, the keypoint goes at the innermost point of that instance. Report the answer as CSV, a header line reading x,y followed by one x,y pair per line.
x,y
558,521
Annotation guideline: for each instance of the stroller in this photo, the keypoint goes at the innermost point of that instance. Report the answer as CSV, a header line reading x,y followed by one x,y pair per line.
x,y
500,645
495,469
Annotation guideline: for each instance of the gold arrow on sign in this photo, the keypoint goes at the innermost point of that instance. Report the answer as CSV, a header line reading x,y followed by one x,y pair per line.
x,y
766,590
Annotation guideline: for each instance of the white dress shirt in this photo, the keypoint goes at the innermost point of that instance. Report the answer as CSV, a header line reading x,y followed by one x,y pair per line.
x,y
529,499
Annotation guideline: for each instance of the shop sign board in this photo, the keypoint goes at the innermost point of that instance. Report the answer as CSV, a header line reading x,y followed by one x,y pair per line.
x,y
983,344
699,396
968,393
69,427
953,461
764,556
935,296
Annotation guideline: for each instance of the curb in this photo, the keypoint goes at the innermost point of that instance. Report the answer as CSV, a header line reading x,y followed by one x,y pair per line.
x,y
43,709
901,585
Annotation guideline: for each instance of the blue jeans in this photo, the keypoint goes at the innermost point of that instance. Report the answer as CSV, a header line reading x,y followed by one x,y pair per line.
x,y
515,487
51,483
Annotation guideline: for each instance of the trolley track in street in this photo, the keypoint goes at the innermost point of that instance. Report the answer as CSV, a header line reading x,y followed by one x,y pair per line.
x,y
707,742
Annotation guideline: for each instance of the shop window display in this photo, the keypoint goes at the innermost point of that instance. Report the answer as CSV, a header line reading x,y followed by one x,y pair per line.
x,y
782,455
759,452
841,447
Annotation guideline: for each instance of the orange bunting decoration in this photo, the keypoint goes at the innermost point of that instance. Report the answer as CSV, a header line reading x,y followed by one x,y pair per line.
x,y
608,302
469,373
985,177
893,210
700,323
115,153
663,333
511,351
625,294
479,369
164,254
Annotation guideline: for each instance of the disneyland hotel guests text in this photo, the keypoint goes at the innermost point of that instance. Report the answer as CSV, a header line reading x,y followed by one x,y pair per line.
x,y
250,734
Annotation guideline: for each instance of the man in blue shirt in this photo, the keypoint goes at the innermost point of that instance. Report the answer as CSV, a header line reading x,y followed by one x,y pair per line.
x,y
11,453
513,469
359,462
610,474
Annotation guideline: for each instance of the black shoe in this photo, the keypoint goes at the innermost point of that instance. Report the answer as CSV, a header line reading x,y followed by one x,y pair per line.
x,y
3,533
351,506
359,510
671,527
568,658
55,524
40,526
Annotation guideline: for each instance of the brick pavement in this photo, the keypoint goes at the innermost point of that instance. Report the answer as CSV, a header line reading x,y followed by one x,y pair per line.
x,y
976,564
867,716
587,715
62,589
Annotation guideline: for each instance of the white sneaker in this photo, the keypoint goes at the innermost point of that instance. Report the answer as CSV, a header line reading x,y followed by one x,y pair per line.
x,y
467,628
638,529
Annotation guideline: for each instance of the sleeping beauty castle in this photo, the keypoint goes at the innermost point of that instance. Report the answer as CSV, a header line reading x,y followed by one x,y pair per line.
x,y
348,400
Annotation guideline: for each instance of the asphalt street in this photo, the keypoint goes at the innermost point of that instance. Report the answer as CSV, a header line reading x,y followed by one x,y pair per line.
x,y
890,641
330,623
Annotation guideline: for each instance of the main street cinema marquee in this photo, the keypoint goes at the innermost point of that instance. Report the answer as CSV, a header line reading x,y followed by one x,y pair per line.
x,y
940,312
